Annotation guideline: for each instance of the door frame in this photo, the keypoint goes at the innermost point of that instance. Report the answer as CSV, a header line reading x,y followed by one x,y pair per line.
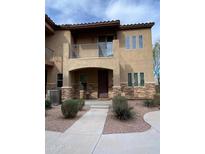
x,y
107,82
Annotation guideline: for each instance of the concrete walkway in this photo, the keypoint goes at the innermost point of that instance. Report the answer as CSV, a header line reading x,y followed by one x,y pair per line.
x,y
147,142
85,136
81,137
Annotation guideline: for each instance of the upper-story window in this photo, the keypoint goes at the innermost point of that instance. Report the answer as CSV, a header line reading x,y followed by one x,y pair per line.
x,y
127,42
140,41
134,42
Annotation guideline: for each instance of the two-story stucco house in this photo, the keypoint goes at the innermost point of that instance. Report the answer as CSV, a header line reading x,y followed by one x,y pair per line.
x,y
99,60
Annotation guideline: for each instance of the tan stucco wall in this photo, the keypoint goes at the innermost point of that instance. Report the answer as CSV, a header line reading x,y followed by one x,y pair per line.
x,y
136,60
55,42
124,61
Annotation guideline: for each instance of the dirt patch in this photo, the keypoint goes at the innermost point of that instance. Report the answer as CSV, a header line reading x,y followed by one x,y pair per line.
x,y
54,120
137,124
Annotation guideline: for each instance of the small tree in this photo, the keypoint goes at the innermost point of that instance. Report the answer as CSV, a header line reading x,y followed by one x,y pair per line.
x,y
156,57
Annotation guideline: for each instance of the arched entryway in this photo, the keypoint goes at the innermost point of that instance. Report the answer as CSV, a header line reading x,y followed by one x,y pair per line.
x,y
91,83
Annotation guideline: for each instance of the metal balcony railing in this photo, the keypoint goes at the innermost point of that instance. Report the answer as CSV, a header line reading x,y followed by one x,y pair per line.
x,y
102,49
49,55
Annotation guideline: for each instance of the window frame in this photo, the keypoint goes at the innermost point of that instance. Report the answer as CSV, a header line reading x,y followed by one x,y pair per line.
x,y
141,80
127,42
59,79
141,41
128,82
134,42
136,83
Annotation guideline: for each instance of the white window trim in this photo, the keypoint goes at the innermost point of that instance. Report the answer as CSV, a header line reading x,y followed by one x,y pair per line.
x,y
142,41
135,42
138,74
127,36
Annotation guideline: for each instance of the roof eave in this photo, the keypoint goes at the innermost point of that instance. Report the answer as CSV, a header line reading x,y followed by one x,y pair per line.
x,y
137,26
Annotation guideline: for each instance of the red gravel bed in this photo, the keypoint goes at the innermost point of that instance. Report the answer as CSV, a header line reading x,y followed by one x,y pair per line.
x,y
54,120
137,124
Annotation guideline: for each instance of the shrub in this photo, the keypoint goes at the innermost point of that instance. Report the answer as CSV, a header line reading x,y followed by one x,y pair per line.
x,y
121,109
81,103
157,100
47,104
149,103
70,108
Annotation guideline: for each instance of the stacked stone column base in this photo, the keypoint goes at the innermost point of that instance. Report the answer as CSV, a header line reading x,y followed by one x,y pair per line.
x,y
144,92
116,90
66,93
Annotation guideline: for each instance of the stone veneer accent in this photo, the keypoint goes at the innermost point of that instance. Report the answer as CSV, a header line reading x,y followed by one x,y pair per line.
x,y
66,93
146,92
92,90
116,90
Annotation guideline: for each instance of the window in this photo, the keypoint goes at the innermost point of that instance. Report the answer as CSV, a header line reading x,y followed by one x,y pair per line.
x,y
135,79
127,42
129,79
59,80
134,42
141,79
140,41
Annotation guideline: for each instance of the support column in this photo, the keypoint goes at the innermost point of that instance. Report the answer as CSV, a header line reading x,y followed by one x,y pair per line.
x,y
67,88
116,81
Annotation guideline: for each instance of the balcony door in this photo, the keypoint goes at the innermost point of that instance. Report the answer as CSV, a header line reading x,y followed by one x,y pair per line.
x,y
105,46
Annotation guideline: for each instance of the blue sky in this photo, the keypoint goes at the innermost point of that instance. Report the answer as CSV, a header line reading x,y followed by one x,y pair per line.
x,y
127,11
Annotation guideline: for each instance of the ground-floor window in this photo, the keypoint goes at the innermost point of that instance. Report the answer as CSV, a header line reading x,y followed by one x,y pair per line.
x,y
129,79
59,80
136,79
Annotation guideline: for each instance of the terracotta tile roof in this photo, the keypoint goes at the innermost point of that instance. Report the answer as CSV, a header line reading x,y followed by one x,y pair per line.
x,y
137,26
90,25
112,23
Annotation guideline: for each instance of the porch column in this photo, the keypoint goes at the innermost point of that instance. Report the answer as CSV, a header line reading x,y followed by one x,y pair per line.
x,y
116,81
67,88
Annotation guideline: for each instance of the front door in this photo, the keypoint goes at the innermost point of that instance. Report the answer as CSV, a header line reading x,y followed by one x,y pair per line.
x,y
103,83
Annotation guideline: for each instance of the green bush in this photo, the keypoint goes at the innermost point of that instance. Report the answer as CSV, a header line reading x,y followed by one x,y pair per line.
x,y
149,103
156,100
81,103
153,102
70,108
47,104
121,109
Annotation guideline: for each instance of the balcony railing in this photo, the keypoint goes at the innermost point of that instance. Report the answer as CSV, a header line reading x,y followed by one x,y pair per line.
x,y
48,55
103,49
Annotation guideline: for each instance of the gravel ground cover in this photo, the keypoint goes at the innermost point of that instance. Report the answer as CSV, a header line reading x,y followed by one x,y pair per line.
x,y
54,120
137,124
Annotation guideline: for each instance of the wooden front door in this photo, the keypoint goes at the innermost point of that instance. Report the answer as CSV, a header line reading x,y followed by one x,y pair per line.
x,y
102,83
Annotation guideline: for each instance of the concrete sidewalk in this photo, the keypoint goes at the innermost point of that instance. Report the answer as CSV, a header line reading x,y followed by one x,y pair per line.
x,y
85,137
147,142
81,137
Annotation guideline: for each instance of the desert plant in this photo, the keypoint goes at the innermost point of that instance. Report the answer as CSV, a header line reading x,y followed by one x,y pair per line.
x,y
47,104
149,103
121,109
156,100
70,108
81,103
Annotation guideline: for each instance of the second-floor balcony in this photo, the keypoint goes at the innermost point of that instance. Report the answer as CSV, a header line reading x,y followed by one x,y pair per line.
x,y
101,49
